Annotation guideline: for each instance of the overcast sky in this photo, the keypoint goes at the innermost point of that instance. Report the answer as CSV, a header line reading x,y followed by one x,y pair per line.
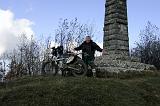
x,y
42,16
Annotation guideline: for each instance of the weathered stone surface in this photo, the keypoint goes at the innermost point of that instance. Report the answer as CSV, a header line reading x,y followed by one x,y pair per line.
x,y
117,53
120,63
117,37
111,16
116,57
112,21
118,43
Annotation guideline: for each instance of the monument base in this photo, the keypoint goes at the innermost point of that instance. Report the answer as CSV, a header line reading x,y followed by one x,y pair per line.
x,y
121,64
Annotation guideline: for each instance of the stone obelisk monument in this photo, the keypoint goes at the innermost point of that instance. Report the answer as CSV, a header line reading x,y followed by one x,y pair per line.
x,y
116,57
116,28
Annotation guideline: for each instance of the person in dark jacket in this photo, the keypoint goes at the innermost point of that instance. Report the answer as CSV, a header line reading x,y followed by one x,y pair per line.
x,y
88,48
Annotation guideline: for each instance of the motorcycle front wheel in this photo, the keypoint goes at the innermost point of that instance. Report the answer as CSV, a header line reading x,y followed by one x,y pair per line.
x,y
49,68
79,68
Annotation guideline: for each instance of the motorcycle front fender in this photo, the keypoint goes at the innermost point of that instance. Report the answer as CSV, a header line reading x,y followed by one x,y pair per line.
x,y
70,59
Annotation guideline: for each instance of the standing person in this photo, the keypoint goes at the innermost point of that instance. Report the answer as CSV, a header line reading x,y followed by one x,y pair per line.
x,y
88,48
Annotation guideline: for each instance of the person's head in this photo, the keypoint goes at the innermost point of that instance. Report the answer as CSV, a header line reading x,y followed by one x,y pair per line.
x,y
88,39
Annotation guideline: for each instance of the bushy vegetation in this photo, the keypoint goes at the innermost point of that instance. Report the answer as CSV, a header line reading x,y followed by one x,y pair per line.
x,y
27,57
148,49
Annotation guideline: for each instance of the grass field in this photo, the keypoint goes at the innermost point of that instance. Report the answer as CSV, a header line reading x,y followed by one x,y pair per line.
x,y
70,91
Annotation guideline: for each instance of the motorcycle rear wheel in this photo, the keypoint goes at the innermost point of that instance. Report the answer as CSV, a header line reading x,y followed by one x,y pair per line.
x,y
49,68
80,68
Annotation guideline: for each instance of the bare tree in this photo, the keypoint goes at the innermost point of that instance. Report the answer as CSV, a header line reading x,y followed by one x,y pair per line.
x,y
2,72
26,57
71,33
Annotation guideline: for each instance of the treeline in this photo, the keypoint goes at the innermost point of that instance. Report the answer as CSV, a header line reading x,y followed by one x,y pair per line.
x,y
28,56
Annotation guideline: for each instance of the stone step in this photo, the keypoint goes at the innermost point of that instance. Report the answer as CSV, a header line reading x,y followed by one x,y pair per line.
x,y
118,69
126,64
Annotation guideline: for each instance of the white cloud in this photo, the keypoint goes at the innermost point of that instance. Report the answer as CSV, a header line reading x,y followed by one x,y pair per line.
x,y
11,29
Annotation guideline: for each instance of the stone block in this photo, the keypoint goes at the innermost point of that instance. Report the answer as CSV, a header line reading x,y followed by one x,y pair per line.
x,y
116,37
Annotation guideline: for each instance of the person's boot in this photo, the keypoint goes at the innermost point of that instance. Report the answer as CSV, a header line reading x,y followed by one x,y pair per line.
x,y
94,72
89,73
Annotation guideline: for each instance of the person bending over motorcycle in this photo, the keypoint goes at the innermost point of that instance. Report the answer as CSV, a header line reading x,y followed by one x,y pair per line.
x,y
88,48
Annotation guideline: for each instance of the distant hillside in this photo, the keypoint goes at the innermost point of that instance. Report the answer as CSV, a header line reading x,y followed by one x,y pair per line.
x,y
68,91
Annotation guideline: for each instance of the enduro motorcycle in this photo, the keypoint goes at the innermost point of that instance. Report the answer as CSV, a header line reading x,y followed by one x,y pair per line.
x,y
68,63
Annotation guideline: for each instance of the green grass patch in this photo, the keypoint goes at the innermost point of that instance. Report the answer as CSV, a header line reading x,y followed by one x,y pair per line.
x,y
70,91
